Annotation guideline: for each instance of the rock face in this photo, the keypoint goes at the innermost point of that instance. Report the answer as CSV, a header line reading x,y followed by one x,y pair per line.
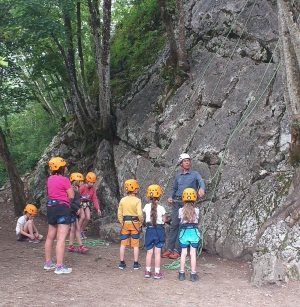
x,y
230,116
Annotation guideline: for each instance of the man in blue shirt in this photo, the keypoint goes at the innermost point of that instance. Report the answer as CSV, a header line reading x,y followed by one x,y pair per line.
x,y
186,179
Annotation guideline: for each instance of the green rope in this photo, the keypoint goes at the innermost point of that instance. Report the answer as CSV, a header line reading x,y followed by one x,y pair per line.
x,y
175,265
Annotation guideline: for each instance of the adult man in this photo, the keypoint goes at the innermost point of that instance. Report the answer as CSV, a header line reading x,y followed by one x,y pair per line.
x,y
187,178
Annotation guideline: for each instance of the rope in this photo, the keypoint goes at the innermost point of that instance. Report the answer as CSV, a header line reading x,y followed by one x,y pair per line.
x,y
175,265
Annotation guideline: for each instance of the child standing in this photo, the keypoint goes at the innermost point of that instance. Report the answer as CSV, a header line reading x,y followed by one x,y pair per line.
x,y
60,194
130,217
189,234
87,196
155,232
25,228
76,180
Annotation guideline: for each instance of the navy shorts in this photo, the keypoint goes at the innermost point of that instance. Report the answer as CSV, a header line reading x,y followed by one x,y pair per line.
x,y
154,236
58,214
21,237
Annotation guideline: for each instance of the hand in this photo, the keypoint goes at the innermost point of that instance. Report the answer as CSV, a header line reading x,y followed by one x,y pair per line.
x,y
99,212
201,192
170,200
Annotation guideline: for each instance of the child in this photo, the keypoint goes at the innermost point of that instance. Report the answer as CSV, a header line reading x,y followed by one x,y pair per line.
x,y
60,194
87,196
76,180
155,233
25,228
131,217
189,234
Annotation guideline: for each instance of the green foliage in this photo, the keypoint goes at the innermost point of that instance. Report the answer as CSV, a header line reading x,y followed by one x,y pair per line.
x,y
137,38
27,135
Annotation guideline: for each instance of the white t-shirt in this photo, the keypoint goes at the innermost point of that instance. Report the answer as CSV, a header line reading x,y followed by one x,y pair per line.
x,y
196,217
22,220
160,212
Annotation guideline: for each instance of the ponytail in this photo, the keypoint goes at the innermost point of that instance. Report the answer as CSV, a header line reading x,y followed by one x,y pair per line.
x,y
153,212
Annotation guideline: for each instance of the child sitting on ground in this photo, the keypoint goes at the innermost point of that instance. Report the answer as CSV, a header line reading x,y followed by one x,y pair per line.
x,y
25,228
189,234
155,233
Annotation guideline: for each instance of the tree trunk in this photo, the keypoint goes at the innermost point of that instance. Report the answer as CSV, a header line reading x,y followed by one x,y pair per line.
x,y
167,21
17,186
182,54
105,119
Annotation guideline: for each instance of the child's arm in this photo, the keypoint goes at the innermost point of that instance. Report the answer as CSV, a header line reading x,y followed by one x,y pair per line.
x,y
164,218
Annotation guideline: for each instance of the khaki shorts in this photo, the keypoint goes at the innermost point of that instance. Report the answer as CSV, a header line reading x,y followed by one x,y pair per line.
x,y
130,228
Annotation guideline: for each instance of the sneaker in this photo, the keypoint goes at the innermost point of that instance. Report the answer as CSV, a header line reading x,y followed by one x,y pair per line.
x,y
158,275
148,274
72,248
34,241
122,265
50,266
136,266
166,254
82,249
62,270
174,255
181,276
194,277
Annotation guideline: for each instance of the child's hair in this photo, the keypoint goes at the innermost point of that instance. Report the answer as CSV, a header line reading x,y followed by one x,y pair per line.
x,y
153,212
75,185
59,171
188,212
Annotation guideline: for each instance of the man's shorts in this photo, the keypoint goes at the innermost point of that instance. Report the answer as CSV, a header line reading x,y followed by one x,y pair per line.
x,y
58,214
130,233
189,236
154,236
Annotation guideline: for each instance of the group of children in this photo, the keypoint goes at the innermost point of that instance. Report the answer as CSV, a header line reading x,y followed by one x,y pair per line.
x,y
69,203
131,218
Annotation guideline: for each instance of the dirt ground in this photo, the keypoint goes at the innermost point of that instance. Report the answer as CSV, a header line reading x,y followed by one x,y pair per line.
x,y
97,281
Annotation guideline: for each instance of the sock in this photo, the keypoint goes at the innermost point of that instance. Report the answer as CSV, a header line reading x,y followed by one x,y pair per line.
x,y
122,261
157,270
136,262
181,271
49,262
59,265
148,268
193,272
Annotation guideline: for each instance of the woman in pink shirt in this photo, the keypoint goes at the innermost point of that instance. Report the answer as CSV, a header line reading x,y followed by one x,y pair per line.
x,y
60,192
87,196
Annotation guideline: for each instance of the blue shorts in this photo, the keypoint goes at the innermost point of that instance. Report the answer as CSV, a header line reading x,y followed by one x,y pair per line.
x,y
58,214
154,236
189,236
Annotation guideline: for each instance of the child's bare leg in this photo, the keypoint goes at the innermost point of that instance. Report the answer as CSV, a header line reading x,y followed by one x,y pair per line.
x,y
62,231
193,258
149,257
122,252
87,213
157,257
136,254
72,234
77,233
81,219
52,229
182,258
28,227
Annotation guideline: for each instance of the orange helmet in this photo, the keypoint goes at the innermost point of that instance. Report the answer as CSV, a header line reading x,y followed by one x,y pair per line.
x,y
31,209
56,162
189,194
91,177
76,176
153,190
130,185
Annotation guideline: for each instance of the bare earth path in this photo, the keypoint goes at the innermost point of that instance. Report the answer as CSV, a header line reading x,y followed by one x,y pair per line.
x,y
97,281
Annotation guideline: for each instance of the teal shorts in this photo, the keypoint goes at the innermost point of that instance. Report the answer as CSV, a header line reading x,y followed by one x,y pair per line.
x,y
189,236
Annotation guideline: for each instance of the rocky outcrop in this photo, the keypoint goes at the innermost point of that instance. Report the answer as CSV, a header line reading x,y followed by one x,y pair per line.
x,y
230,116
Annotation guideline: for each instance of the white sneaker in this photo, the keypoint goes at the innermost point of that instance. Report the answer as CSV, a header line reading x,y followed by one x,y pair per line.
x,y
62,270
